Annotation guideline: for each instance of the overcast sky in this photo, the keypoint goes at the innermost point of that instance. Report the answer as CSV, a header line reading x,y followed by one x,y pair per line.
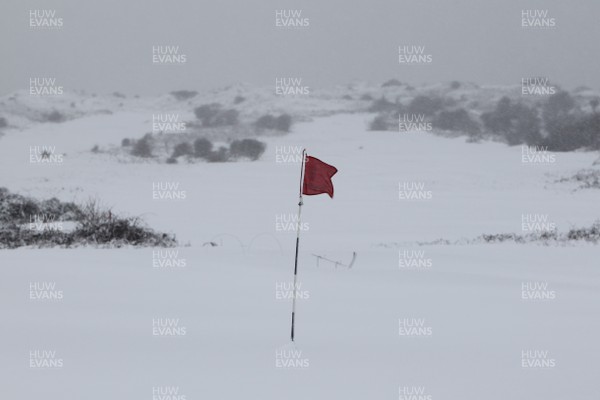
x,y
106,45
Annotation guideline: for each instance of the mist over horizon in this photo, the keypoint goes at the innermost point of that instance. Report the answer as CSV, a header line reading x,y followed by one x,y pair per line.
x,y
103,47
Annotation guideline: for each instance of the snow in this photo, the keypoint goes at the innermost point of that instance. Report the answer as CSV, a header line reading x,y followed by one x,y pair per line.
x,y
348,327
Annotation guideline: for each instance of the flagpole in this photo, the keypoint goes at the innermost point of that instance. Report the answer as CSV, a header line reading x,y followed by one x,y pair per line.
x,y
297,240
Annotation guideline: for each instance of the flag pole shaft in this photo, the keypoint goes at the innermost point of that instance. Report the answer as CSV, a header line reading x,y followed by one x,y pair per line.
x,y
297,242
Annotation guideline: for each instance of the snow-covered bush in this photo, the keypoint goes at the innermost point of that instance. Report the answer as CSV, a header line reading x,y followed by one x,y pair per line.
x,y
93,225
587,179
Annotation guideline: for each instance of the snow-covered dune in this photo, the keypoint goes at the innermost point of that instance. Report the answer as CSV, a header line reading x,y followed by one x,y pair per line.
x,y
468,299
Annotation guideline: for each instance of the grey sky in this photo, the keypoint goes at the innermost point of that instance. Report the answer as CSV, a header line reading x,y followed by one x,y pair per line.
x,y
106,45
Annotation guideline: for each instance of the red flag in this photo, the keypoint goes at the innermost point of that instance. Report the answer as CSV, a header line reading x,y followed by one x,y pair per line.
x,y
317,177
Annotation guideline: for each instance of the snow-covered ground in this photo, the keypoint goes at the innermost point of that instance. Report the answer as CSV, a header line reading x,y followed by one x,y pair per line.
x,y
468,298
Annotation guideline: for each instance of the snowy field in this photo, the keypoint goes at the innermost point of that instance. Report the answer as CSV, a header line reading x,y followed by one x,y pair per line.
x,y
484,321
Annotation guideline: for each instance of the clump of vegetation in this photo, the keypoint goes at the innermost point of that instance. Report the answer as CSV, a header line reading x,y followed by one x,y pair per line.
x,y
220,155
247,148
567,126
382,122
589,234
516,123
15,208
239,99
391,82
202,148
98,226
213,115
183,149
281,123
181,95
54,116
455,85
587,179
24,222
383,105
419,107
457,121
143,147
3,122
425,105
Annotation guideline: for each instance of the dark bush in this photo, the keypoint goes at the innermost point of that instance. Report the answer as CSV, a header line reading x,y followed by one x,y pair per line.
x,y
202,147
239,99
181,95
247,148
143,147
366,97
226,117
265,122
515,122
568,128
575,132
380,123
391,82
383,105
213,115
207,111
182,149
221,155
458,120
454,85
282,123
126,142
557,108
3,123
425,105
54,116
